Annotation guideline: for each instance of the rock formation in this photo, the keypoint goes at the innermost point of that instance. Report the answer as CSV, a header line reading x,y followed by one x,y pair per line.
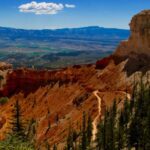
x,y
66,93
139,41
5,66
136,49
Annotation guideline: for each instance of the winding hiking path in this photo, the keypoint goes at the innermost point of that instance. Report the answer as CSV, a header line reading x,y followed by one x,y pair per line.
x,y
95,121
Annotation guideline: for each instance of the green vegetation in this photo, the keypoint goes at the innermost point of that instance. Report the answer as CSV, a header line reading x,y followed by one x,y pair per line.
x,y
80,140
51,59
126,128
3,100
13,142
16,139
1,77
130,128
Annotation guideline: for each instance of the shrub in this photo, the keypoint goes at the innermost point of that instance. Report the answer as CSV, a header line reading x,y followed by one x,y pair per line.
x,y
3,100
13,142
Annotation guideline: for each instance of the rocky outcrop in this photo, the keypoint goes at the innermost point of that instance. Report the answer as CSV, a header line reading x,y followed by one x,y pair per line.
x,y
139,41
2,122
5,66
29,80
136,49
101,64
4,69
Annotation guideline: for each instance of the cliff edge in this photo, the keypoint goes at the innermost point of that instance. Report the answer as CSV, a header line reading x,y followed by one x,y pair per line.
x,y
136,50
139,41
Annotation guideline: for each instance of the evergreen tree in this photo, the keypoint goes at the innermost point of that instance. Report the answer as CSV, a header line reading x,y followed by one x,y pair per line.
x,y
84,137
55,147
112,122
89,130
70,140
100,136
120,133
47,146
75,137
17,122
127,128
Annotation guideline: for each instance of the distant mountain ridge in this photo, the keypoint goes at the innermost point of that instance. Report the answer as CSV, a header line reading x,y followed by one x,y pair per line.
x,y
58,48
93,32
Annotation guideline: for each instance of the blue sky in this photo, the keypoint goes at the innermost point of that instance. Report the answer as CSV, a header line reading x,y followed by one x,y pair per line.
x,y
69,13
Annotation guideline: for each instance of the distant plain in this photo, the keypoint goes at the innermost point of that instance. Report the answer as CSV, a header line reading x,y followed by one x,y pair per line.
x,y
59,48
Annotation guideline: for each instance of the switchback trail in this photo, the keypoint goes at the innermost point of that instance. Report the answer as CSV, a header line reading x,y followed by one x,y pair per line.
x,y
95,121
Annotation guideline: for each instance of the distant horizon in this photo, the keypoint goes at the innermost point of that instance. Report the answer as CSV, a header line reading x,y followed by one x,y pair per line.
x,y
78,27
60,14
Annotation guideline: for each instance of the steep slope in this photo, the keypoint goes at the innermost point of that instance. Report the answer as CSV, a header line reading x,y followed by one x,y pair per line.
x,y
139,41
136,49
51,101
65,100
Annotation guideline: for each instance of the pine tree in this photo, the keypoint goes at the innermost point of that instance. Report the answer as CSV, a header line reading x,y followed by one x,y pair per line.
x,y
75,137
70,140
89,130
17,123
54,147
1,78
100,136
120,132
128,128
112,122
47,146
84,137
126,118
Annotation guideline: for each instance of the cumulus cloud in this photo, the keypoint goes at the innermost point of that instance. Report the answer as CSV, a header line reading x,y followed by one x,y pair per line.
x,y
69,6
43,8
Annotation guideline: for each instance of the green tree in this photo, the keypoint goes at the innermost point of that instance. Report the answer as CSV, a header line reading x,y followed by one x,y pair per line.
x,y
17,122
70,145
55,147
89,130
84,137
1,78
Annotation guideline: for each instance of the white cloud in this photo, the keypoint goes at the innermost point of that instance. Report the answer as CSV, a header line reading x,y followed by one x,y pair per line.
x,y
43,8
69,6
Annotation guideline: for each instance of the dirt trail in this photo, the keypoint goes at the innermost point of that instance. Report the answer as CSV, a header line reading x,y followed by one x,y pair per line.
x,y
95,121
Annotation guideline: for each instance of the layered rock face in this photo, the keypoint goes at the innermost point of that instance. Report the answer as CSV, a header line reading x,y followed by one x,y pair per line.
x,y
67,93
5,66
136,49
139,41
29,80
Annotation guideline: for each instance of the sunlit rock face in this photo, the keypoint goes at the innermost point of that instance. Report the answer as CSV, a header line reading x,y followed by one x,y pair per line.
x,y
136,50
139,41
5,66
2,122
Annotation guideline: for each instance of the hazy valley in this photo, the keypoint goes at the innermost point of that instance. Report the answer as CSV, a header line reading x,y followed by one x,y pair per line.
x,y
58,48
